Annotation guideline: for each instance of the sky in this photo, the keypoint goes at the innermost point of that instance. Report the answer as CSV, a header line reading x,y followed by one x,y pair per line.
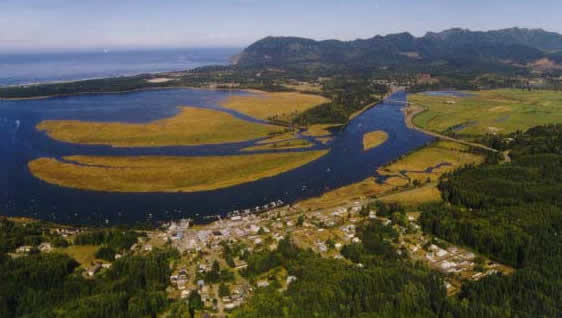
x,y
82,24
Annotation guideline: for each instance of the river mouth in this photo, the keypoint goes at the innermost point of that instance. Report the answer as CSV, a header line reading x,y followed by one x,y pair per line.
x,y
21,194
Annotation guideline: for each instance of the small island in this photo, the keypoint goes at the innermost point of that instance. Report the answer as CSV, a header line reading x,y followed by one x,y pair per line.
x,y
191,126
374,139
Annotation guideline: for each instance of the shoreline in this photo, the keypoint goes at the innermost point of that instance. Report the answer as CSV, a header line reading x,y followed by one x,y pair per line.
x,y
84,79
125,75
249,90
369,106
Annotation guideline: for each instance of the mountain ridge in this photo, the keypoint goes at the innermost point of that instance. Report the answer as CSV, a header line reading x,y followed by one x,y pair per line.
x,y
519,45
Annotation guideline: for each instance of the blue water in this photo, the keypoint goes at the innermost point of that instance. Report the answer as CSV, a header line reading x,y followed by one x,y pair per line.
x,y
23,195
26,68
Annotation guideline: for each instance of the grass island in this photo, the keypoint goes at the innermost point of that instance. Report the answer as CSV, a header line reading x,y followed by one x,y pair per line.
x,y
374,139
191,126
166,173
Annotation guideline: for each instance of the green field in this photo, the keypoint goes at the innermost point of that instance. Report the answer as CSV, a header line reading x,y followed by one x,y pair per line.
x,y
83,254
166,173
416,196
192,126
495,111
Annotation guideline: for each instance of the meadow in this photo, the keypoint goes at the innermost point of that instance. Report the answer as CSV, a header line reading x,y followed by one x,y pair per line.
x,y
83,254
275,106
499,111
191,126
416,196
165,173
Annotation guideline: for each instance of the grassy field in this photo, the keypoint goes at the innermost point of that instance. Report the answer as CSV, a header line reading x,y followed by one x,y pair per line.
x,y
364,189
281,145
166,174
83,254
279,106
374,139
319,130
416,196
494,111
414,165
192,126
360,190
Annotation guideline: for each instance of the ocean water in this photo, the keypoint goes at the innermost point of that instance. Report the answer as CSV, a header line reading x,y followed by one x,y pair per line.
x,y
27,68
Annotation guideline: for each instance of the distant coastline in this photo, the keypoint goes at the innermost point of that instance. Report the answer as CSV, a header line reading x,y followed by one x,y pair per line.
x,y
44,68
87,79
114,92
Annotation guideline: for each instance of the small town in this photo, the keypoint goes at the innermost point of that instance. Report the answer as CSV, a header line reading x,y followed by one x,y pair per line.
x,y
212,255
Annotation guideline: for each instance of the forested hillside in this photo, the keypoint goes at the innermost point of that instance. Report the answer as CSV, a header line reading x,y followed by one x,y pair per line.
x,y
512,213
53,285
458,48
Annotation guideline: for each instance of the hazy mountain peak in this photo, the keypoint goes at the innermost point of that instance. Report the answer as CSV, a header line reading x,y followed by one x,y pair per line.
x,y
516,44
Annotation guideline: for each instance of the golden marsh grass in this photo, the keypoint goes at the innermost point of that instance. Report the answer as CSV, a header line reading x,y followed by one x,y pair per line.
x,y
374,139
192,126
280,106
166,173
